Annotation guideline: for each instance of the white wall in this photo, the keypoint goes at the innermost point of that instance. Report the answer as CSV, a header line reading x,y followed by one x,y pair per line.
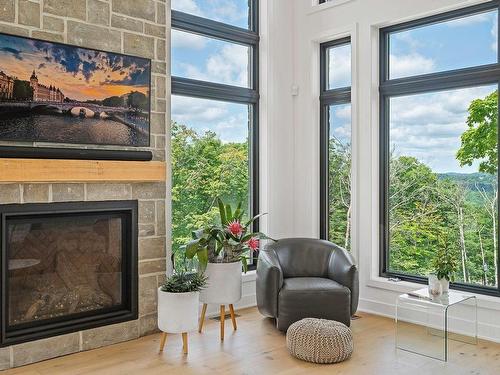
x,y
360,19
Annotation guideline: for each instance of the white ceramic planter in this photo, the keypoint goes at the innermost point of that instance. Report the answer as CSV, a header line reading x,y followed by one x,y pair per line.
x,y
224,284
445,285
178,312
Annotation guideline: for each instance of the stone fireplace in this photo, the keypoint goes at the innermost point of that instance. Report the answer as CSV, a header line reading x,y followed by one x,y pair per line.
x,y
67,267
134,27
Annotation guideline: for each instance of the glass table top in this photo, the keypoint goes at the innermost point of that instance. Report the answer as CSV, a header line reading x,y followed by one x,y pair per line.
x,y
423,296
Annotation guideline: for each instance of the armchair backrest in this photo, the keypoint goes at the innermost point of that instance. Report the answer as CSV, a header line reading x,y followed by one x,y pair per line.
x,y
303,257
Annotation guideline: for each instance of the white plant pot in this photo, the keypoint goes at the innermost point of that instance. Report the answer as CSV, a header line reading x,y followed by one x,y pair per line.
x,y
445,285
224,284
178,312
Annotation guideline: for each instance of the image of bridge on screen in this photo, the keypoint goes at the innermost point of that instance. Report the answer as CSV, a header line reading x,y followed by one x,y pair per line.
x,y
56,93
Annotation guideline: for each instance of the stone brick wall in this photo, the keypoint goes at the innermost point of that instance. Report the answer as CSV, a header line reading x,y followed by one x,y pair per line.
x,y
136,27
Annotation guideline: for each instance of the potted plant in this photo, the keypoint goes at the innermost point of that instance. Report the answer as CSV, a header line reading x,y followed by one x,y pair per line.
x,y
178,303
222,251
444,266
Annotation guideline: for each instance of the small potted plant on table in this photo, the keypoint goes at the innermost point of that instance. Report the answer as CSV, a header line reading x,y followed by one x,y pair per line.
x,y
222,251
444,266
178,302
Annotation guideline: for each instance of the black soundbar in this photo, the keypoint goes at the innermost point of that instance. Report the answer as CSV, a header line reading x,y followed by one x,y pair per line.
x,y
73,153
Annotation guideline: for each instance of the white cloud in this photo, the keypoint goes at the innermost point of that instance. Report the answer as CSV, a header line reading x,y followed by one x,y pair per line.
x,y
228,120
494,34
429,126
229,65
339,74
340,122
470,20
187,6
185,40
227,11
410,64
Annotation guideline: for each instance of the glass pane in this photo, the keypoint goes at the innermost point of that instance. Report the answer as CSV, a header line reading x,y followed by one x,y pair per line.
x,y
443,182
209,159
207,59
459,43
233,12
339,66
339,174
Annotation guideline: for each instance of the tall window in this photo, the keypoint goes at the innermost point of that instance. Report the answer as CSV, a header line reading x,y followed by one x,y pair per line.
x,y
335,139
439,146
214,112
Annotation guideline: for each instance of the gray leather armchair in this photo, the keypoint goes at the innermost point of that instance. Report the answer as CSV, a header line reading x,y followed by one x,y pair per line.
x,y
306,278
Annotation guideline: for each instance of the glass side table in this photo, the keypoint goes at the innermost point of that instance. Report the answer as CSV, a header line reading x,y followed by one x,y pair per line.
x,y
424,325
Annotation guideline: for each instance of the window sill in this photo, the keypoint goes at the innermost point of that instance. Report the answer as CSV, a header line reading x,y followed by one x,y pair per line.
x,y
324,6
483,301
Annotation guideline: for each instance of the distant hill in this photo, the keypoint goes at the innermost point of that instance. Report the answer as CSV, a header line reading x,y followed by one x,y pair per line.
x,y
471,180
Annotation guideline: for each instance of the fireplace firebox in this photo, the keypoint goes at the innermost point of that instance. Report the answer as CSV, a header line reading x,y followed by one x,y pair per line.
x,y
66,267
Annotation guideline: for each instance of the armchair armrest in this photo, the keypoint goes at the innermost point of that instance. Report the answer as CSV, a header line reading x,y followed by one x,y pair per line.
x,y
269,282
342,269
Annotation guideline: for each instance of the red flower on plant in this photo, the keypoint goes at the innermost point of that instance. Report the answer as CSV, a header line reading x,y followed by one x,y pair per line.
x,y
253,243
235,228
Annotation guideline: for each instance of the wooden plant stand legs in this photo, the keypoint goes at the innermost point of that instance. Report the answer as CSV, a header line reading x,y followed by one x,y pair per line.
x,y
185,343
222,321
233,317
202,318
163,340
222,318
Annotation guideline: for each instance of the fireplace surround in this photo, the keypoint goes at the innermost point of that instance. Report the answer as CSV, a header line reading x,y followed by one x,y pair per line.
x,y
66,267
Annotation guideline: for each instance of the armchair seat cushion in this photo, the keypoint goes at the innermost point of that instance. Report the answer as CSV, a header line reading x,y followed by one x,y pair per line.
x,y
312,297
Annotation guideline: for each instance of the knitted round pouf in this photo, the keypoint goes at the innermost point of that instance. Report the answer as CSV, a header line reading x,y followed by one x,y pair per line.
x,y
319,340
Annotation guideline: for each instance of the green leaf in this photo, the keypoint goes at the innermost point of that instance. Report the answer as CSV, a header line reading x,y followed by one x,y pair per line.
x,y
238,212
244,263
254,218
202,256
229,215
192,248
222,212
258,235
197,233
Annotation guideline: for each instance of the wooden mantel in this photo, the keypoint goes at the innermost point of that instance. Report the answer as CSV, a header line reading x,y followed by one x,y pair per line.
x,y
55,170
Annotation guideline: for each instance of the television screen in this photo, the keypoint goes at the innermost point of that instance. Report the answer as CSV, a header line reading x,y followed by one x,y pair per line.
x,y
52,92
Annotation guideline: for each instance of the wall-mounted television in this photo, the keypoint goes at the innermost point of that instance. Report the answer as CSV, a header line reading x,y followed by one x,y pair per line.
x,y
57,93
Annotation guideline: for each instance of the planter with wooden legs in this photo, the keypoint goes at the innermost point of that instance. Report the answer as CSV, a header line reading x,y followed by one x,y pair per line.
x,y
224,288
177,313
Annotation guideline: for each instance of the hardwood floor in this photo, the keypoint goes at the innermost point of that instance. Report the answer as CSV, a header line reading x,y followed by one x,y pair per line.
x,y
258,348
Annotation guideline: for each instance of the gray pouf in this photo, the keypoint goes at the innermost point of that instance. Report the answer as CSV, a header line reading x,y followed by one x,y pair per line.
x,y
319,340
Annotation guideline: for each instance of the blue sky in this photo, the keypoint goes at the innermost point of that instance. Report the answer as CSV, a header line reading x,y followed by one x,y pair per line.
x,y
428,126
207,59
233,12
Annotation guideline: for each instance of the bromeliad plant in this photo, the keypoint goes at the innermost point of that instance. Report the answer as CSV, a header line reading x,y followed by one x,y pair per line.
x,y
225,243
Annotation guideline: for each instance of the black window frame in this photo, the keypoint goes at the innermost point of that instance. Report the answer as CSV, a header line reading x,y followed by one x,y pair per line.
x,y
328,97
228,93
424,83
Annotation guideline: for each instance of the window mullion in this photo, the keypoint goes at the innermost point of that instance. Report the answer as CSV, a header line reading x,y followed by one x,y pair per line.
x,y
203,26
441,81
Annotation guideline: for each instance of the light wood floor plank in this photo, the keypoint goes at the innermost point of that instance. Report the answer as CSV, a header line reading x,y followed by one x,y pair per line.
x,y
258,348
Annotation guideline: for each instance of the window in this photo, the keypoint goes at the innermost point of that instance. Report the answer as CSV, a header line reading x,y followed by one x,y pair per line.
x,y
215,96
439,146
335,139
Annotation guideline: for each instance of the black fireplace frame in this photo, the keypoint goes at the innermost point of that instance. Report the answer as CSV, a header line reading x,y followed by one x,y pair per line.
x,y
128,310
